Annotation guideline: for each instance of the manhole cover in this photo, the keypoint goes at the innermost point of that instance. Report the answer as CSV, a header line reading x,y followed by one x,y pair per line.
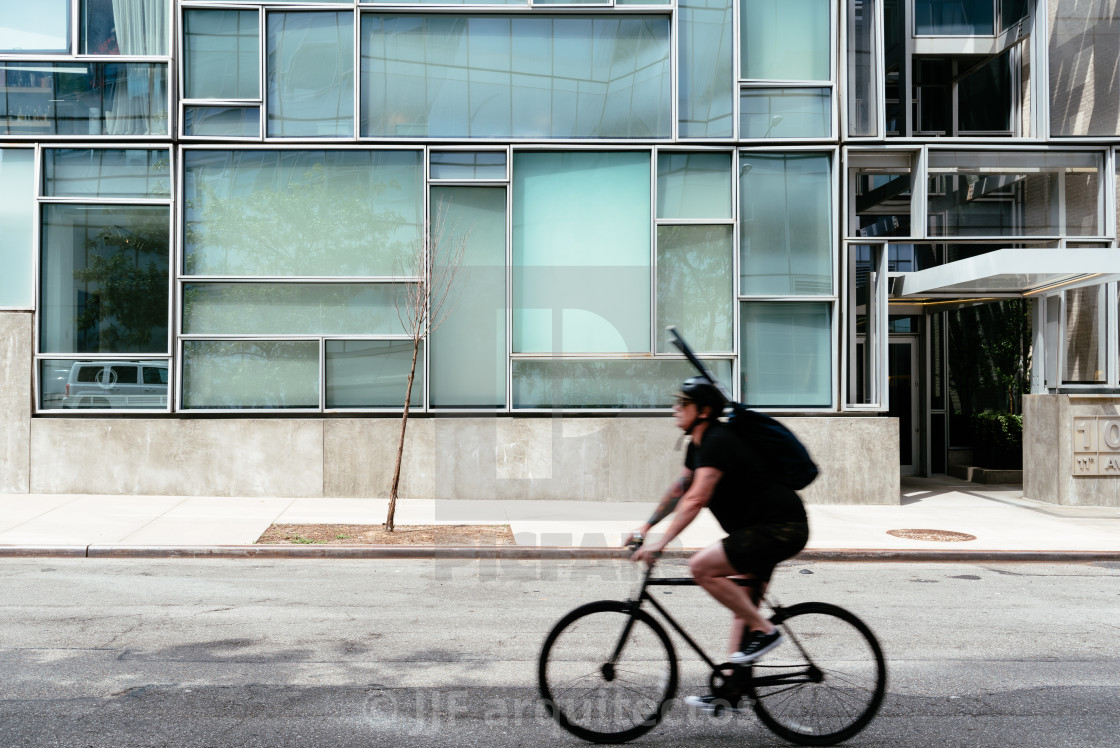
x,y
945,536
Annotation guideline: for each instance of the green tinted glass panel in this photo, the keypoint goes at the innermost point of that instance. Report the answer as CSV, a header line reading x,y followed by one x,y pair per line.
x,y
302,213
468,164
104,279
788,40
469,347
222,54
222,121
785,113
17,221
99,172
291,309
310,75
520,76
785,214
372,374
706,94
694,286
693,185
40,26
786,350
250,374
576,383
581,285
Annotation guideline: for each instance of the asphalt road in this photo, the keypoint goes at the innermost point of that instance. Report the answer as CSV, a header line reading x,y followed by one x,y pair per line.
x,y
423,653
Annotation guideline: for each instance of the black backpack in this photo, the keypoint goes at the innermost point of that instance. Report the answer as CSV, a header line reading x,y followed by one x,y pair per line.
x,y
791,463
786,455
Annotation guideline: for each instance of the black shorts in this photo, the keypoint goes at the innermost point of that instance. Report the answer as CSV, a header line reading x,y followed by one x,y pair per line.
x,y
758,549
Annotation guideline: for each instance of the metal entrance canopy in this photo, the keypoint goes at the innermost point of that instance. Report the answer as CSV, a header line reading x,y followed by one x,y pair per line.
x,y
1008,272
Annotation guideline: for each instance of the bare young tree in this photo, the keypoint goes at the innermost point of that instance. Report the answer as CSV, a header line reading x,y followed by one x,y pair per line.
x,y
423,306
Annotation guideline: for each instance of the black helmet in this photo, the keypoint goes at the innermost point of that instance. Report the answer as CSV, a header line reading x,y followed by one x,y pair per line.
x,y
702,392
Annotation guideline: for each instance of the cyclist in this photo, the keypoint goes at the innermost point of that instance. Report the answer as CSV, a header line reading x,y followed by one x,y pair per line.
x,y
765,520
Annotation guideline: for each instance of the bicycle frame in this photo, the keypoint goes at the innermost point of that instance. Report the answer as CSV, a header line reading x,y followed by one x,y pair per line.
x,y
810,674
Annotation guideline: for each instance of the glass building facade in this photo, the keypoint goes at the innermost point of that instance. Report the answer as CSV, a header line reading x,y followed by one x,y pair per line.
x,y
218,207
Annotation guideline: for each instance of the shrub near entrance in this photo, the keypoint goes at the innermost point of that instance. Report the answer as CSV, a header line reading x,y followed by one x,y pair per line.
x,y
997,440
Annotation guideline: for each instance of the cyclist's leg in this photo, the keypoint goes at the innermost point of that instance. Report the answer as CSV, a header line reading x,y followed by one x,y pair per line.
x,y
712,570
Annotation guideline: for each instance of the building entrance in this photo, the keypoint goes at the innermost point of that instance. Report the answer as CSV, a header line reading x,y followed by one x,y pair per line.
x,y
904,393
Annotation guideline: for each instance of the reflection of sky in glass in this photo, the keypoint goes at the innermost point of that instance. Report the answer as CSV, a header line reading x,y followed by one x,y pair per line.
x,y
42,26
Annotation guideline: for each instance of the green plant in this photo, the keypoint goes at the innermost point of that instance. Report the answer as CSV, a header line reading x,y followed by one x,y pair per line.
x,y
303,540
998,440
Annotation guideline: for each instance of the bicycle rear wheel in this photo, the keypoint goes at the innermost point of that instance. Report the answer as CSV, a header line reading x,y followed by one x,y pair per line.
x,y
594,698
825,682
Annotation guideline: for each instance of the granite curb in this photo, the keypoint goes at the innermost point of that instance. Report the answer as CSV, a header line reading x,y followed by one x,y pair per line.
x,y
519,553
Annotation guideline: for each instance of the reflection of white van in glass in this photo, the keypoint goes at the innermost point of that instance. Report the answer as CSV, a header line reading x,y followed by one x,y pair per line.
x,y
116,384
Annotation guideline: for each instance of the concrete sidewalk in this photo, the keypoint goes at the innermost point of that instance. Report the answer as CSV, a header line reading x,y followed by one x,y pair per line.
x,y
1001,521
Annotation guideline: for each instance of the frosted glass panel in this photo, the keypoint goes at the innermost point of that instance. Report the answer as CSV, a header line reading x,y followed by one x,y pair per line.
x,y
469,348
104,279
250,374
788,40
17,219
310,73
302,213
524,76
468,164
694,286
707,69
581,252
785,239
785,113
372,374
39,26
99,172
222,52
290,309
650,383
693,185
786,350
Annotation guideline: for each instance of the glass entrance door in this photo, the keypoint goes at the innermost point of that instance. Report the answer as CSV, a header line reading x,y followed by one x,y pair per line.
x,y
905,399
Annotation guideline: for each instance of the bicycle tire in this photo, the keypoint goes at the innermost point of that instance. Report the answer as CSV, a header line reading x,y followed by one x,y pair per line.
x,y
852,676
592,701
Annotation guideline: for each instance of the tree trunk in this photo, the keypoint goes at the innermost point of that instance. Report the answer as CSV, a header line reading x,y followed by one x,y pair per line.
x,y
390,524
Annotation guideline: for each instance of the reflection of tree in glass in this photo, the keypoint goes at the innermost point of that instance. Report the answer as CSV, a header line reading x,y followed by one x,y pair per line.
x,y
694,289
250,374
126,277
303,227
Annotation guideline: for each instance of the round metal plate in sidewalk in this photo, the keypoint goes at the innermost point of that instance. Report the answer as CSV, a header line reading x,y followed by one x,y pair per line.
x,y
940,536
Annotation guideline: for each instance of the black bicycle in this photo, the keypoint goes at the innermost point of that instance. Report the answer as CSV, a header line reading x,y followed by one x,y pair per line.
x,y
608,670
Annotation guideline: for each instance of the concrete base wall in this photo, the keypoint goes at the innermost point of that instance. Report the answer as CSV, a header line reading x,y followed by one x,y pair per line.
x,y
15,401
1048,451
605,459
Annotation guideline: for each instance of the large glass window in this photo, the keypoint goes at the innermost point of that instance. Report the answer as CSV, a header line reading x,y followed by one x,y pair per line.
x,y
221,374
1081,55
310,75
785,112
525,76
785,214
1086,338
694,286
102,172
29,27
104,279
581,252
83,98
372,374
468,349
221,51
17,221
302,213
786,354
125,384
1014,194
707,68
789,40
576,383
693,184
124,27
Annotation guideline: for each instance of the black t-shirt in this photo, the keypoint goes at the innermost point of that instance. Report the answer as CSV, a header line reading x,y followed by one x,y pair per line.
x,y
747,494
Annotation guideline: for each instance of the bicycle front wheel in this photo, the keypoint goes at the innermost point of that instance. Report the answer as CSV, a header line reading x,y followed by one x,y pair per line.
x,y
596,695
825,682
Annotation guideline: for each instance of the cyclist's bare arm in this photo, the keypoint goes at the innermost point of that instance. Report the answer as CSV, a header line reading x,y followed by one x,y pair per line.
x,y
697,496
668,503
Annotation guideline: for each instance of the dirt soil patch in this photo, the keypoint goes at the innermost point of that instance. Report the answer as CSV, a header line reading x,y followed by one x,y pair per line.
x,y
377,535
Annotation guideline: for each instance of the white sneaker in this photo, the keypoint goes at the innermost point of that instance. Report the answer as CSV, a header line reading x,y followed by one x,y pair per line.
x,y
709,704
